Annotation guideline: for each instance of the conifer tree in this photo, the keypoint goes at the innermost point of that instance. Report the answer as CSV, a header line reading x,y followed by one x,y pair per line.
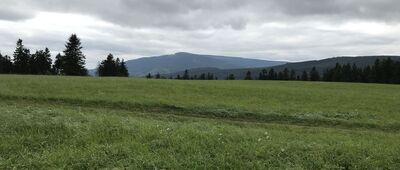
x,y
186,75
73,61
210,76
314,74
5,64
158,76
231,77
21,59
149,76
292,75
272,75
263,75
304,76
40,62
248,76
285,74
108,67
123,69
58,63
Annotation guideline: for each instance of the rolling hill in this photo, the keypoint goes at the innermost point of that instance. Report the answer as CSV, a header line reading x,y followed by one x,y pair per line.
x,y
321,65
180,61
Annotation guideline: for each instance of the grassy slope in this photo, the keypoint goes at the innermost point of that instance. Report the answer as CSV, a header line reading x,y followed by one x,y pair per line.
x,y
90,122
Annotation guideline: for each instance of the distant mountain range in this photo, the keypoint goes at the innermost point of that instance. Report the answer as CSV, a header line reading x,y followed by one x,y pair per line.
x,y
167,64
321,65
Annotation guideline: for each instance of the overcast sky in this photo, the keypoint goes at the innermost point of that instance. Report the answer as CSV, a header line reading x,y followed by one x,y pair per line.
x,y
291,30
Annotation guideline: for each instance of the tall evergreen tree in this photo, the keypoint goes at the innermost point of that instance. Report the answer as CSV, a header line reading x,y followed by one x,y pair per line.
x,y
292,75
248,76
111,67
73,61
58,63
314,75
304,76
158,76
40,62
231,77
21,59
263,74
186,75
108,67
123,69
149,76
203,76
285,74
210,76
5,64
272,74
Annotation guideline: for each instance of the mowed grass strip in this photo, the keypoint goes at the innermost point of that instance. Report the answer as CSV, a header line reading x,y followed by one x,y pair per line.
x,y
45,136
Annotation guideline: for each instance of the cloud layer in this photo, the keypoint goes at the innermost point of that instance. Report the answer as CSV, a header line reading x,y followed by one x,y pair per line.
x,y
268,29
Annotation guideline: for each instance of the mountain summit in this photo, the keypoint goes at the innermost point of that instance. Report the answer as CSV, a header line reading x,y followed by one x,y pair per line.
x,y
180,61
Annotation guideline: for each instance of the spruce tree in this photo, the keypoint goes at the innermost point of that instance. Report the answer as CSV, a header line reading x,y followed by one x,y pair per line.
x,y
186,75
203,76
263,75
158,76
5,64
272,75
149,76
73,61
304,76
41,62
285,74
21,59
248,76
58,63
123,69
210,76
231,77
314,75
292,75
107,67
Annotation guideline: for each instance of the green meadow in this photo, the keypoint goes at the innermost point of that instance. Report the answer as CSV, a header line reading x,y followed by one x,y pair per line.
x,y
50,122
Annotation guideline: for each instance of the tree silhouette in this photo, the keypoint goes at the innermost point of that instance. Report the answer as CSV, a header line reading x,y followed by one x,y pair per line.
x,y
231,77
292,75
21,59
285,74
73,61
112,67
149,76
108,67
263,74
5,64
123,69
248,76
314,75
304,76
186,75
40,62
272,74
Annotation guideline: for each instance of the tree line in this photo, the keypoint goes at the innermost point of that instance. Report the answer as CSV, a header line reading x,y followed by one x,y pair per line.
x,y
185,76
70,63
382,71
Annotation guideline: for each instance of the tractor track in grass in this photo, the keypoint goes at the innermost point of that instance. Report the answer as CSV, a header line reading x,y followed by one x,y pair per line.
x,y
221,114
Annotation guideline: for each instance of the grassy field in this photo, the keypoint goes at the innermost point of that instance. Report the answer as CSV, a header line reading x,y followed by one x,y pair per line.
x,y
93,123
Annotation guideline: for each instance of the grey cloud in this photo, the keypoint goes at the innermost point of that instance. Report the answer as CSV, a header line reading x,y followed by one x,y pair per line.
x,y
226,27
203,14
